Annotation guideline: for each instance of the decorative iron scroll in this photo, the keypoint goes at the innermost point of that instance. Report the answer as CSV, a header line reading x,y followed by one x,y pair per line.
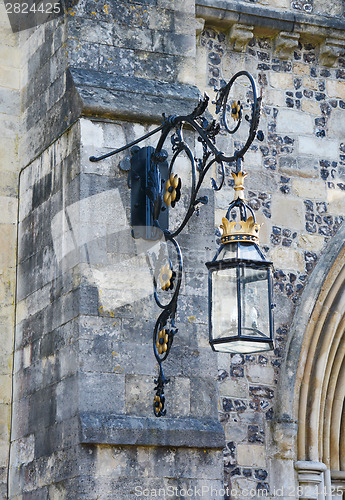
x,y
164,196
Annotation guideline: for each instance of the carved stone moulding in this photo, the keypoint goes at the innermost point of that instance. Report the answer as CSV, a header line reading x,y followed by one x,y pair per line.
x,y
330,50
285,43
240,35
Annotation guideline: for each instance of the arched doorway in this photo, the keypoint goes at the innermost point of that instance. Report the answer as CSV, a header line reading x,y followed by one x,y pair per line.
x,y
312,383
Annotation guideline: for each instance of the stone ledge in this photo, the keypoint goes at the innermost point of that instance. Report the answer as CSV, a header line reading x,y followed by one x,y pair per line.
x,y
93,93
103,94
150,431
226,12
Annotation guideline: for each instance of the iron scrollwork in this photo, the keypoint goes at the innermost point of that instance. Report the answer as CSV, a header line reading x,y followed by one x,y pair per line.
x,y
164,195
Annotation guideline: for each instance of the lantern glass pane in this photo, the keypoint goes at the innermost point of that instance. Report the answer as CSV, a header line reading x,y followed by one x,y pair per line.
x,y
224,304
228,251
255,303
249,251
243,347
241,250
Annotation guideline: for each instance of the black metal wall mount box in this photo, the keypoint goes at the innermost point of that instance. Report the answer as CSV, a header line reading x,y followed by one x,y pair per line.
x,y
148,175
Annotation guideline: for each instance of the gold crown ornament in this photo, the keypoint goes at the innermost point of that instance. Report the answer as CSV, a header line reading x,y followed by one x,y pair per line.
x,y
243,230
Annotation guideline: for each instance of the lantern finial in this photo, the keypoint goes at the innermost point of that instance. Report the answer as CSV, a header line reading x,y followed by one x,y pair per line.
x,y
239,187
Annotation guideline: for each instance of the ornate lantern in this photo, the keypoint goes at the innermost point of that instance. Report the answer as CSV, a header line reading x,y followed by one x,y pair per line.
x,y
240,285
240,278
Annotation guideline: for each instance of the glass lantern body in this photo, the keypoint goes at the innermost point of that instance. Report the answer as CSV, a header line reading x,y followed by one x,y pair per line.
x,y
240,299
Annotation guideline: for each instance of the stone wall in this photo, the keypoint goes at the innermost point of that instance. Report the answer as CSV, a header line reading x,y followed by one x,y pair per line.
x,y
295,187
134,39
47,103
9,168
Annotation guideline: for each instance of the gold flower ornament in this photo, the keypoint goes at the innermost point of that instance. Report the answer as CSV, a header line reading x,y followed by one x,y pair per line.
x,y
162,341
172,190
166,277
157,403
236,109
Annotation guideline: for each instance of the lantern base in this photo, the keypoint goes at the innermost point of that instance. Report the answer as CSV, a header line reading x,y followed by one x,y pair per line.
x,y
242,346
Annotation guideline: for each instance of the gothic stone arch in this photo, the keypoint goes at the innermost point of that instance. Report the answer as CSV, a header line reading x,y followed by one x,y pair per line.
x,y
310,412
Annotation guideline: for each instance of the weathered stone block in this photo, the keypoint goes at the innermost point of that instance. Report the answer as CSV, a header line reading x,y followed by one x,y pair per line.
x,y
9,77
260,374
203,397
192,464
299,167
102,392
336,128
139,399
179,397
286,258
87,55
335,89
5,413
233,387
24,450
309,106
287,212
251,455
318,146
294,122
167,66
66,398
9,159
162,19
105,355
8,210
86,29
305,189
310,83
42,408
56,90
36,494
301,69
281,80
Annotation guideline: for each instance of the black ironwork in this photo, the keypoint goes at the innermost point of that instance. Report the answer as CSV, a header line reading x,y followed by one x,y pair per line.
x,y
156,202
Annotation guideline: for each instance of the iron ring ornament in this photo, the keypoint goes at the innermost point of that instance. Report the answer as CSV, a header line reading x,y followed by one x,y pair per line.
x,y
156,189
